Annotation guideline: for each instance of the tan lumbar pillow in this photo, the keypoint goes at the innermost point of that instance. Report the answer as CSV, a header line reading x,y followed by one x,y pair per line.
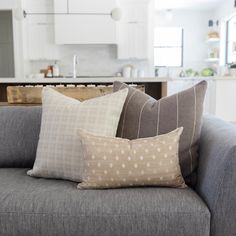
x,y
115,162
59,149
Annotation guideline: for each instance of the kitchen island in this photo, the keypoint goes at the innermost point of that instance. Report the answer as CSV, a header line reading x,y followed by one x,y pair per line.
x,y
155,87
220,98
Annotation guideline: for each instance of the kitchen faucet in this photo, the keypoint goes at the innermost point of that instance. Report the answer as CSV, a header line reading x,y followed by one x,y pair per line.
x,y
75,62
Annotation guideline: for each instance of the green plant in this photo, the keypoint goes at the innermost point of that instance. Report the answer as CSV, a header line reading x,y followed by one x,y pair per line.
x,y
233,66
207,72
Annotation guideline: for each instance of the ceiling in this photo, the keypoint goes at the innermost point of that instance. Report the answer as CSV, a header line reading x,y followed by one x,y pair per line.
x,y
187,4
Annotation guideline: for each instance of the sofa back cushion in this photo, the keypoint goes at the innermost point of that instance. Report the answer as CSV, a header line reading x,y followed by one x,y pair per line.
x,y
19,134
143,116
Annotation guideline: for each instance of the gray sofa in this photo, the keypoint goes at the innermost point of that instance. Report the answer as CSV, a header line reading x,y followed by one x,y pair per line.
x,y
36,206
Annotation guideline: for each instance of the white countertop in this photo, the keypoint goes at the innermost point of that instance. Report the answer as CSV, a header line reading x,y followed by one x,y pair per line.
x,y
106,80
84,80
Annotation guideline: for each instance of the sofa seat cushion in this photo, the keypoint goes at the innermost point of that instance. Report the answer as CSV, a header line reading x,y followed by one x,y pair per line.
x,y
34,206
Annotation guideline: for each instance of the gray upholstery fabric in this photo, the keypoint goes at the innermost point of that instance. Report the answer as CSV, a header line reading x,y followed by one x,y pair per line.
x,y
217,174
19,133
30,206
144,117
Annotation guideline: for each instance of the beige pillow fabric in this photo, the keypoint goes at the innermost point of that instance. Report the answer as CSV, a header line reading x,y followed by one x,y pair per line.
x,y
116,162
59,148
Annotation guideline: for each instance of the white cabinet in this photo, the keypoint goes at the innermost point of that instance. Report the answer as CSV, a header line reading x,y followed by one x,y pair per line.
x,y
179,85
41,44
226,99
37,6
132,42
60,6
135,11
133,30
87,22
85,29
220,96
45,6
91,6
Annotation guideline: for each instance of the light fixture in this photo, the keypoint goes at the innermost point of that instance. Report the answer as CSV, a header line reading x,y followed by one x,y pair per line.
x,y
169,14
116,14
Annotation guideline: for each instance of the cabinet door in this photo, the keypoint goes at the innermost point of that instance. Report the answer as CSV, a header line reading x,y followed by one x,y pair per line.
x,y
61,6
135,12
133,30
41,44
45,6
38,6
179,85
85,29
125,48
140,41
91,6
133,41
225,99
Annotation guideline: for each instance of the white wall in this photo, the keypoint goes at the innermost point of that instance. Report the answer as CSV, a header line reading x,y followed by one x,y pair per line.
x,y
225,10
195,25
222,13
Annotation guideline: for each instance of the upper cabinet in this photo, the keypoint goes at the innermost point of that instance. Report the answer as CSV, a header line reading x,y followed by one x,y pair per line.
x,y
60,6
86,22
38,6
85,29
91,6
83,6
38,28
134,11
133,29
122,22
40,38
132,41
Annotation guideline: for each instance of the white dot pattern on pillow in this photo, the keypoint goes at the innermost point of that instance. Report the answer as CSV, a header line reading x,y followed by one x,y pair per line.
x,y
115,162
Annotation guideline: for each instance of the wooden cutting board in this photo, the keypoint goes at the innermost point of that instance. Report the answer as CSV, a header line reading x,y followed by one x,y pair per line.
x,y
32,95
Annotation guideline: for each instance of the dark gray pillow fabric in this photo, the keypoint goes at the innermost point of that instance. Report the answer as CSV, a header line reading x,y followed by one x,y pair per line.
x,y
19,134
143,116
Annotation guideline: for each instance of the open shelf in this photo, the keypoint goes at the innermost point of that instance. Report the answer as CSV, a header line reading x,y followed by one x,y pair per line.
x,y
213,40
212,60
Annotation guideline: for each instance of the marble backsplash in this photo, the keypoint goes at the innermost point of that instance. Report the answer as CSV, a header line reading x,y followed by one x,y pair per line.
x,y
93,60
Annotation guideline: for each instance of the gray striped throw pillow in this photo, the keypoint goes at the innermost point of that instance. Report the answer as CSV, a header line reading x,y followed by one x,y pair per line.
x,y
143,116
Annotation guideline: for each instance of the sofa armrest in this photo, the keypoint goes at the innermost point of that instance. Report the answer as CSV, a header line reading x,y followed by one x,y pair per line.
x,y
217,174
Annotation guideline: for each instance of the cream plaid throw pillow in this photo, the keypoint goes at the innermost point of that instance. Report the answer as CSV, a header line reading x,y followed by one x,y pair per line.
x,y
59,148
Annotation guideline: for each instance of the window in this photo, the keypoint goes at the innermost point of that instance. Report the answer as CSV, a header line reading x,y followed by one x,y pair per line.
x,y
231,41
168,47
